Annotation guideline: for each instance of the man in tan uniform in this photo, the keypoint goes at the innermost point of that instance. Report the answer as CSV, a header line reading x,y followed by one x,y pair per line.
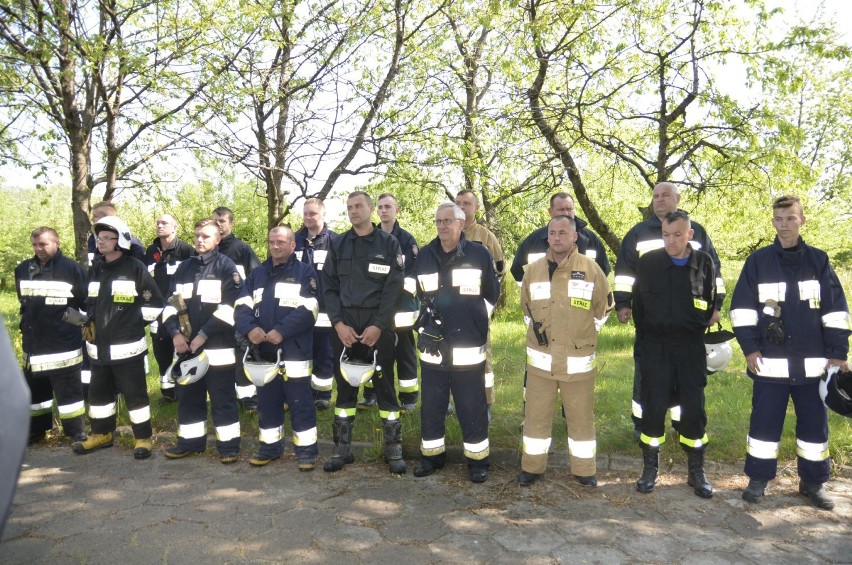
x,y
467,201
567,298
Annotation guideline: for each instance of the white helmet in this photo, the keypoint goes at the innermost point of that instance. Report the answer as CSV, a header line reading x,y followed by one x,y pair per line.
x,y
357,364
835,389
719,351
188,368
258,371
112,223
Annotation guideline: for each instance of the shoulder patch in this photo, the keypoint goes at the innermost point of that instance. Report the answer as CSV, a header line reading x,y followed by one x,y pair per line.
x,y
578,275
237,278
313,283
146,295
414,250
400,261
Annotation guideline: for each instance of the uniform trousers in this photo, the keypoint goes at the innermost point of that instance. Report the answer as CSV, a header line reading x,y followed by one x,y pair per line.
x,y
768,409
636,415
323,372
244,387
468,389
164,353
218,382
66,385
303,416
668,369
347,395
405,356
578,400
129,379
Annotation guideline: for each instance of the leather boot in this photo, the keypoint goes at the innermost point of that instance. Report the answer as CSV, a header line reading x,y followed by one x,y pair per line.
x,y
393,447
819,497
650,468
341,455
755,490
697,480
94,441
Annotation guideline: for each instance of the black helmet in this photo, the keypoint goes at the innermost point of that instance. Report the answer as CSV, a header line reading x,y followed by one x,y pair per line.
x,y
835,389
357,364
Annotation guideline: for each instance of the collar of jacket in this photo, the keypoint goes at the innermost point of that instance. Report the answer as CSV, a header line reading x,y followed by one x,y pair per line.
x,y
273,268
550,258
170,247
580,224
303,231
350,233
800,246
207,258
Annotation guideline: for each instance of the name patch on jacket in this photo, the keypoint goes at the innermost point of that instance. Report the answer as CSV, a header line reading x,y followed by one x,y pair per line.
x,y
580,292
468,281
123,291
210,290
378,269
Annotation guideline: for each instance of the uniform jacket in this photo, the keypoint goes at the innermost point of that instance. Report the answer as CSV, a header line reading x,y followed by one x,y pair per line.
x,y
210,285
282,298
571,306
123,299
814,312
672,303
366,273
240,253
646,236
463,287
478,233
162,263
408,307
535,246
313,252
44,293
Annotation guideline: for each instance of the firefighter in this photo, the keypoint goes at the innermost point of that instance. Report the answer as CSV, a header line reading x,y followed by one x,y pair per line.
x,y
643,237
791,320
48,285
567,298
405,353
277,313
477,233
362,281
457,286
200,318
163,257
122,299
312,243
246,260
673,304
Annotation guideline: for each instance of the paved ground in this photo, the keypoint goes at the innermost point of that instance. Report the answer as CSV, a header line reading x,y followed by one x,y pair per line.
x,y
108,508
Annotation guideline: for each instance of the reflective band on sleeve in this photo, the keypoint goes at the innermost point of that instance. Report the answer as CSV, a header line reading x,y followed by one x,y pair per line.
x,y
409,285
140,415
305,438
246,391
836,320
720,285
56,360
321,383
128,350
402,320
742,317
229,432
51,289
592,253
643,247
389,416
154,327
582,449
675,413
85,377
539,359
432,446
811,451
168,312
489,379
94,289
150,314
298,369
430,359
623,283
92,350
271,435
476,451
815,366
636,409
652,441
696,443
536,446
761,449
185,290
242,271
311,305
577,365
100,412
489,308
323,320
225,313
428,282
775,368
220,357
771,291
192,431
72,410
244,301
599,322
468,355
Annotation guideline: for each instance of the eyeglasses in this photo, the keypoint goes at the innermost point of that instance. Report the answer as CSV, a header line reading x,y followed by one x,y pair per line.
x,y
104,239
446,221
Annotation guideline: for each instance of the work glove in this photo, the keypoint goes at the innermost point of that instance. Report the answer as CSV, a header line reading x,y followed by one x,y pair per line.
x,y
89,331
74,317
430,340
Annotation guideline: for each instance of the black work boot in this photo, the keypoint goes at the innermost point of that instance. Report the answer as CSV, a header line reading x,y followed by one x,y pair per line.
x,y
815,491
342,453
755,490
650,468
697,480
393,446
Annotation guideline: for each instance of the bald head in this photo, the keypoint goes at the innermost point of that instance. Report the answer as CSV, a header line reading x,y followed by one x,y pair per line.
x,y
666,199
281,243
167,227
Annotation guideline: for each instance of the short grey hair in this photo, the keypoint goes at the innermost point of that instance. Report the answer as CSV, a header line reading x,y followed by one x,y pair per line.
x,y
457,211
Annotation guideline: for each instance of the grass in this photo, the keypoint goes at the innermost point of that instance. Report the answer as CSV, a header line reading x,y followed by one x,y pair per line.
x,y
728,397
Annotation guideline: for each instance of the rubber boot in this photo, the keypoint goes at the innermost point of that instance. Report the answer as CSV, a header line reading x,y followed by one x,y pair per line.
x,y
393,446
755,490
697,480
817,494
650,468
93,442
342,453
